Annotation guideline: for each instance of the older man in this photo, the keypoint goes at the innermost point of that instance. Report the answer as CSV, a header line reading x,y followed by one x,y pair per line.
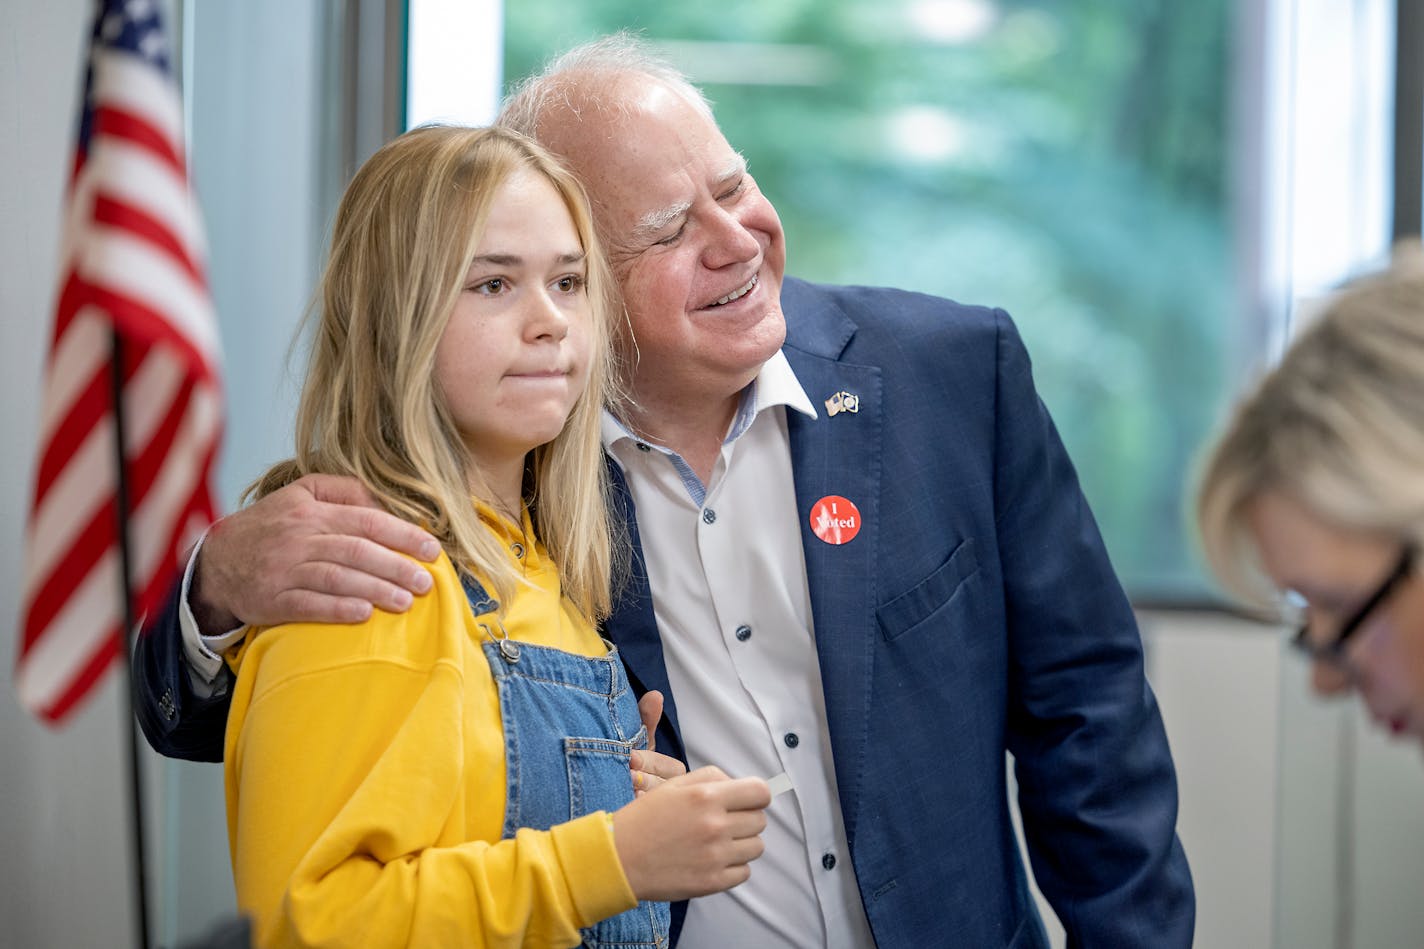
x,y
862,560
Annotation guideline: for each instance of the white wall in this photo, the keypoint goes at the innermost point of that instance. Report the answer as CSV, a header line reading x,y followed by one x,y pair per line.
x,y
1218,683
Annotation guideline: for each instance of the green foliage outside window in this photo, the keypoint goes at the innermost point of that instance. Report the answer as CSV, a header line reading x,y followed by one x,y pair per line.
x,y
1064,160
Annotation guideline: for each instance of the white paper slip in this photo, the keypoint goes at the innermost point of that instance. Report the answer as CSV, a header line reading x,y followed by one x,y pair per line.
x,y
779,784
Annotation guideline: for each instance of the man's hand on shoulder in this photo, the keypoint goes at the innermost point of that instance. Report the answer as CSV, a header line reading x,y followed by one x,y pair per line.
x,y
318,550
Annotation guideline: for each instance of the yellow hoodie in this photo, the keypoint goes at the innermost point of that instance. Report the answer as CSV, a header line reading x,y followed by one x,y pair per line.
x,y
365,780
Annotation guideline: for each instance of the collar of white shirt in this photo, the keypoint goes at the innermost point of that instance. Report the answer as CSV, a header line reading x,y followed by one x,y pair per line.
x,y
776,384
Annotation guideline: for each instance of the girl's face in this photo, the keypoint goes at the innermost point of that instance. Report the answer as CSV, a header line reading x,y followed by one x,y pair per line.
x,y
1336,570
514,356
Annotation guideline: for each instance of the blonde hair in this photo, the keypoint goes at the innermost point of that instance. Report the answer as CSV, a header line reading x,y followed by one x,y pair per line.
x,y
1338,426
405,232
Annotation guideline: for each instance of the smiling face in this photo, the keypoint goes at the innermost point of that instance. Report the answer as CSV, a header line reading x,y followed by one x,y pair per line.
x,y
513,357
1336,570
698,251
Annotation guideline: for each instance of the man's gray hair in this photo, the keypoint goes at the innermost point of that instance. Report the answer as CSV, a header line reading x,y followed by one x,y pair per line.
x,y
592,70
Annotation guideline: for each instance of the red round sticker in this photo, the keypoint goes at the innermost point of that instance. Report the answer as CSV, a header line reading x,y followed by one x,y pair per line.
x,y
835,520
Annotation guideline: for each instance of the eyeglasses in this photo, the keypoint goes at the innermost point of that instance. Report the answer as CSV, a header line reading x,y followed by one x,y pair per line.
x,y
1334,651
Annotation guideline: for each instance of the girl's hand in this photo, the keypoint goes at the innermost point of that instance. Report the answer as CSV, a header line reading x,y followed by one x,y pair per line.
x,y
694,835
651,769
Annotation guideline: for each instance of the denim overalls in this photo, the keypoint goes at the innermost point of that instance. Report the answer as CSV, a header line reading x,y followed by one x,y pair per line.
x,y
569,725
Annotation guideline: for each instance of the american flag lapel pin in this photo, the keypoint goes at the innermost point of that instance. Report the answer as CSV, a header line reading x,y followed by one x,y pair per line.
x,y
842,402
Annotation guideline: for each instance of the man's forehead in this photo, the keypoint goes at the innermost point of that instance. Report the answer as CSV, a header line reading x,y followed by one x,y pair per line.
x,y
619,116
606,108
643,149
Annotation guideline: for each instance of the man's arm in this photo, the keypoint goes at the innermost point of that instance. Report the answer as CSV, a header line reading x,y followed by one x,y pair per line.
x,y
176,721
318,550
1097,788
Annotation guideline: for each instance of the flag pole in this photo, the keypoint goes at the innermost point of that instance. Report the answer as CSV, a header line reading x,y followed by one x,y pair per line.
x,y
116,379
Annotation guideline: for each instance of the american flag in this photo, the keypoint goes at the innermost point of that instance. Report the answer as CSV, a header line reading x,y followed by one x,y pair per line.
x,y
133,269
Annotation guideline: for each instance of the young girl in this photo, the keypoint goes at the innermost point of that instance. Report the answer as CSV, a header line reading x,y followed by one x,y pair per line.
x,y
458,775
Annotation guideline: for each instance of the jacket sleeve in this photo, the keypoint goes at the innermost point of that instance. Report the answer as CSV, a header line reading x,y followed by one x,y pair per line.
x,y
1097,788
176,722
348,802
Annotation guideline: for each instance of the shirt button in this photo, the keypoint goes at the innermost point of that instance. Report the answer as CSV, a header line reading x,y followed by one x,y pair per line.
x,y
828,860
791,739
644,446
744,633
518,550
709,516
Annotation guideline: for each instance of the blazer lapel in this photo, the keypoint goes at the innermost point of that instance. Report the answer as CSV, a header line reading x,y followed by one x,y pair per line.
x,y
633,627
840,456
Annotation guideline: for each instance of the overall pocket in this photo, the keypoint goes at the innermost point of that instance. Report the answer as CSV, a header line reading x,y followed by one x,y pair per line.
x,y
599,779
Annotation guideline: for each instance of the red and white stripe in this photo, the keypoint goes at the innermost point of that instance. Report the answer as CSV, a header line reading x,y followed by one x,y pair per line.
x,y
134,260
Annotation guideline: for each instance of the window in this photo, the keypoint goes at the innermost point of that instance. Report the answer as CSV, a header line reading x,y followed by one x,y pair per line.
x,y
1066,161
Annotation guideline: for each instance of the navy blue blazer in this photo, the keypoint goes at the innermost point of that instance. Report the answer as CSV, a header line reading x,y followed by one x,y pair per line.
x,y
975,613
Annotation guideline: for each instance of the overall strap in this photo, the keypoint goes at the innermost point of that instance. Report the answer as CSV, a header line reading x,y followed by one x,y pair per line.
x,y
482,603
480,600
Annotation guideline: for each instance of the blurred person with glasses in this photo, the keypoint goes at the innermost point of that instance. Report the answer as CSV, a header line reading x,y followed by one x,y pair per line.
x,y
1313,498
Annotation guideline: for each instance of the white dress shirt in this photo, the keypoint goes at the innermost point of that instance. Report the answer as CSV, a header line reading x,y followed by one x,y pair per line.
x,y
733,609
202,651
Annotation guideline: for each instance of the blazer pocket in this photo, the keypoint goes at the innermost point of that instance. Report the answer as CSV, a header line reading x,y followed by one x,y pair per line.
x,y
917,604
